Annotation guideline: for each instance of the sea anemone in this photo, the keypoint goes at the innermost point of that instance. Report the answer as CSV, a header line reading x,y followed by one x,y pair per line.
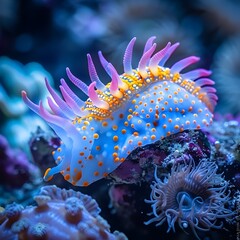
x,y
192,196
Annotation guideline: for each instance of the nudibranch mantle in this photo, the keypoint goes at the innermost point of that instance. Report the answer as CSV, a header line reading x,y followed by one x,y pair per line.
x,y
136,108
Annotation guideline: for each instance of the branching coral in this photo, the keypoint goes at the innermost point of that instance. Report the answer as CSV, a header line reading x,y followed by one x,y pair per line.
x,y
192,196
60,214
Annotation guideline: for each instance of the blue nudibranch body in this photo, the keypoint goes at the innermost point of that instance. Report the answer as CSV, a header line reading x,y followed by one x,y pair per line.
x,y
139,107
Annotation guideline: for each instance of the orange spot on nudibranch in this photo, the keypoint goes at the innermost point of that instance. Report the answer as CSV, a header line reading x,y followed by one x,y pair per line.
x,y
115,138
104,124
95,136
46,173
114,127
153,137
135,134
67,177
98,148
78,176
105,174
85,184
90,157
115,154
129,117
121,116
124,131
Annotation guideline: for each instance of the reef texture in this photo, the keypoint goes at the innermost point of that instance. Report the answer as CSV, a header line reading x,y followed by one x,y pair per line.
x,y
60,214
17,122
15,168
139,165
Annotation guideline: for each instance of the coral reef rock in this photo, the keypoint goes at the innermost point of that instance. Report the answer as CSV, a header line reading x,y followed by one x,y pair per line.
x,y
60,214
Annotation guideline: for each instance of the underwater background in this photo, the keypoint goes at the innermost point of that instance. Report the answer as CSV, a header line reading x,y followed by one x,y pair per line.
x,y
38,40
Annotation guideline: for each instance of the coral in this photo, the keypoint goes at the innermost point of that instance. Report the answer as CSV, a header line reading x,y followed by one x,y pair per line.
x,y
16,76
42,144
192,196
225,151
224,136
15,167
122,198
139,165
60,214
125,113
17,122
19,177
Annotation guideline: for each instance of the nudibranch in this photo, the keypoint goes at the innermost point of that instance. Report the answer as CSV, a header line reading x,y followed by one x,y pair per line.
x,y
138,107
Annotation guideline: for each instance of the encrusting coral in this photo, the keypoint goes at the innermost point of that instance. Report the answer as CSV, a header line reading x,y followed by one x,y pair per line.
x,y
60,214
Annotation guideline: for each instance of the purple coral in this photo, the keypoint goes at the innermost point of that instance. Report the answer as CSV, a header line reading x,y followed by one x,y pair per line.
x,y
15,168
192,196
60,214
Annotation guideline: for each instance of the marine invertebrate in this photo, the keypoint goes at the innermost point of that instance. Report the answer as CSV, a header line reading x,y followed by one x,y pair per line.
x,y
192,196
59,214
137,108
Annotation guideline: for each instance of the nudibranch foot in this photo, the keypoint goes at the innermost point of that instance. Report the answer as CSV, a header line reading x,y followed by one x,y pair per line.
x,y
139,107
